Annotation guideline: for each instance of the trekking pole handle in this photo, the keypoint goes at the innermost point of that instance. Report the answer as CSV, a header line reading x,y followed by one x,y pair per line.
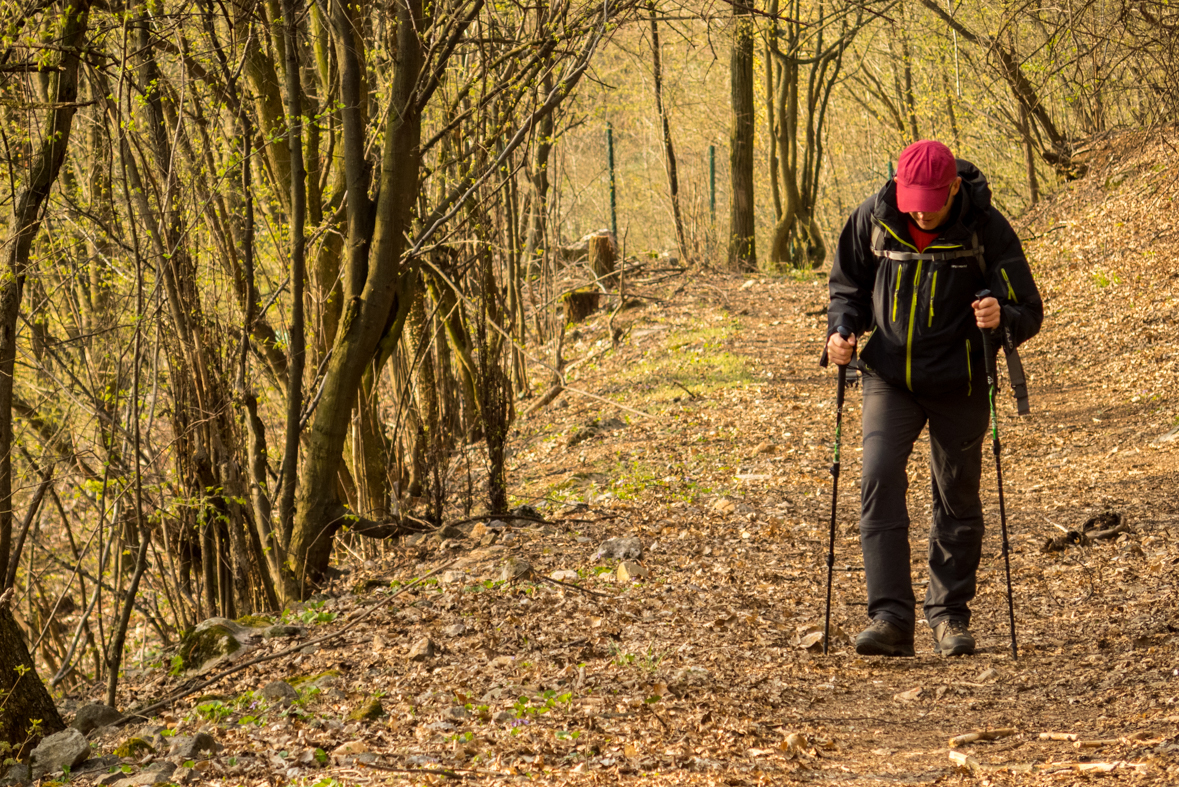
x,y
988,356
846,334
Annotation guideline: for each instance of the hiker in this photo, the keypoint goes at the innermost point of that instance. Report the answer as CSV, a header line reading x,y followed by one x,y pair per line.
x,y
907,267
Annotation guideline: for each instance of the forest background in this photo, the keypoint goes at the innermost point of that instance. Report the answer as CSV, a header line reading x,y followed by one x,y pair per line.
x,y
235,348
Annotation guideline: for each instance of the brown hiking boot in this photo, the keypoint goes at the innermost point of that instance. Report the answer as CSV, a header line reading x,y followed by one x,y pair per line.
x,y
882,638
952,638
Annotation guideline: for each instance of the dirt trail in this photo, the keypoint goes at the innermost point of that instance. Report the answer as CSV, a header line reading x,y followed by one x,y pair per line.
x,y
699,673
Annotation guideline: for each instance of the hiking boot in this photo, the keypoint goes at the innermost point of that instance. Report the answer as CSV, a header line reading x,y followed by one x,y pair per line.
x,y
882,638
952,638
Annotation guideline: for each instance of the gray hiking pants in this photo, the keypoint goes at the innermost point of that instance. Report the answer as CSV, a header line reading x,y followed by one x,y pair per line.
x,y
893,419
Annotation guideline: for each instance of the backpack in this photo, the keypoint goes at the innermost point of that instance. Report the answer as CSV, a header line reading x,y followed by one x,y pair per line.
x,y
1019,385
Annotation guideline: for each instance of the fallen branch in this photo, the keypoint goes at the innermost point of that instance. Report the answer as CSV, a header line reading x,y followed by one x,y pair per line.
x,y
1088,532
1059,736
143,713
987,735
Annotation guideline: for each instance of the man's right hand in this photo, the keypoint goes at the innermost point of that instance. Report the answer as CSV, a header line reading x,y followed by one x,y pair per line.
x,y
840,350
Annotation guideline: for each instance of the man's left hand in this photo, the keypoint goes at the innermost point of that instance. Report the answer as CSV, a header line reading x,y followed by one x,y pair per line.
x,y
986,313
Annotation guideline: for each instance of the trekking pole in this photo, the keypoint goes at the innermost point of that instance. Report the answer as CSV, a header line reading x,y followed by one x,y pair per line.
x,y
846,334
992,380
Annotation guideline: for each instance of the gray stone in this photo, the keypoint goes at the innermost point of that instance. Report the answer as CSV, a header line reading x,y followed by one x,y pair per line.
x,y
279,630
503,717
620,549
515,568
96,765
211,641
422,650
18,774
91,717
279,692
527,512
455,630
159,772
187,747
66,749
450,531
458,713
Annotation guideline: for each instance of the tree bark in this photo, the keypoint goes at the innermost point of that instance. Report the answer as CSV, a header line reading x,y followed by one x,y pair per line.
x,y
673,181
742,252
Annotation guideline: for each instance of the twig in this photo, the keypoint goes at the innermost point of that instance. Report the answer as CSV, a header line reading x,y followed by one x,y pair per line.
x,y
570,585
142,713
678,384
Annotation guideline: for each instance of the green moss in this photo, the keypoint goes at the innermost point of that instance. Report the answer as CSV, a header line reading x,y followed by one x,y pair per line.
x,y
199,647
254,621
133,748
307,680
367,585
369,711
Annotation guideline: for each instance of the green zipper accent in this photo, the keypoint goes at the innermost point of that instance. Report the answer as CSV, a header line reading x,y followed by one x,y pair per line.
x,y
1010,289
898,238
912,320
896,293
932,291
969,371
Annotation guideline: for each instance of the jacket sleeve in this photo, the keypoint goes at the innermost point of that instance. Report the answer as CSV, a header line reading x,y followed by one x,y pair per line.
x,y
1009,278
853,274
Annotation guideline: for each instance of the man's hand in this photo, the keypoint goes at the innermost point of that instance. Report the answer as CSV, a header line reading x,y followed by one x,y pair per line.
x,y
839,350
986,313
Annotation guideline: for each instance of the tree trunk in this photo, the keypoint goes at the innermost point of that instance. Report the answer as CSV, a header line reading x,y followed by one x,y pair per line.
x,y
673,181
742,253
26,698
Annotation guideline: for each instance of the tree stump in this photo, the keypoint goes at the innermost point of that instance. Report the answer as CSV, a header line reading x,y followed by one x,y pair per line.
x,y
601,258
580,304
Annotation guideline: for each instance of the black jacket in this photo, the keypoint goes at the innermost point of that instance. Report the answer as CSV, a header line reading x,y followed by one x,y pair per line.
x,y
925,336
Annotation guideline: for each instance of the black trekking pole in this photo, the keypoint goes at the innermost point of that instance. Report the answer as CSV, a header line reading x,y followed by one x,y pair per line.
x,y
992,383
846,334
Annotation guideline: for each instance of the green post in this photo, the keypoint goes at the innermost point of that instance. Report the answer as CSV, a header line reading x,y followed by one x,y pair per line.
x,y
613,188
712,182
892,173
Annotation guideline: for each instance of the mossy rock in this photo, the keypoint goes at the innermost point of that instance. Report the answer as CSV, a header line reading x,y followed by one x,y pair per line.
x,y
133,749
254,621
209,640
303,681
367,585
368,711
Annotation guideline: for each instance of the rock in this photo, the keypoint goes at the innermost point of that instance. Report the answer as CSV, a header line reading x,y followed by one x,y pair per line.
x,y
91,717
620,549
515,568
66,749
457,713
367,711
422,650
455,630
526,512
188,747
450,531
211,641
990,673
277,631
453,577
96,765
18,774
133,748
503,717
630,571
564,575
279,692
157,773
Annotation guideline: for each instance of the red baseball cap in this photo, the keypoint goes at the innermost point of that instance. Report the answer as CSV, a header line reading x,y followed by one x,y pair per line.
x,y
925,171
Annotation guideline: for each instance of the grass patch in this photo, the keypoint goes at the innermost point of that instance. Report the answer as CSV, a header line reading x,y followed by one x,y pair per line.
x,y
692,358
